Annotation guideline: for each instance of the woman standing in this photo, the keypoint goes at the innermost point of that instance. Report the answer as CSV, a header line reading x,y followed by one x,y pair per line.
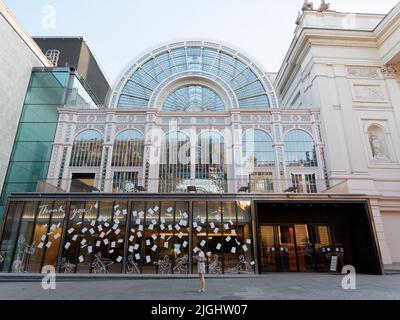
x,y
201,269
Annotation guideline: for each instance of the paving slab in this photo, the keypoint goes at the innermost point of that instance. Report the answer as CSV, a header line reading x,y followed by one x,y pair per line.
x,y
282,286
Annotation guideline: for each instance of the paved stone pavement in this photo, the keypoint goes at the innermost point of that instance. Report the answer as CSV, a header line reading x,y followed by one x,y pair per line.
x,y
270,287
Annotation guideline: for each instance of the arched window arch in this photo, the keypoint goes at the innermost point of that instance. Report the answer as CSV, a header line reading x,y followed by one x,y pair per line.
x,y
128,149
257,148
210,160
87,149
193,98
174,161
300,149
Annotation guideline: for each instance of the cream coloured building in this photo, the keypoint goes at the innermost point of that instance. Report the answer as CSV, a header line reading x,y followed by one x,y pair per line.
x,y
198,148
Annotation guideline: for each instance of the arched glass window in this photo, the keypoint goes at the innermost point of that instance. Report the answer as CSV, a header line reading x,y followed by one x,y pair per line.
x,y
231,68
300,149
128,149
193,98
257,148
87,149
210,162
174,162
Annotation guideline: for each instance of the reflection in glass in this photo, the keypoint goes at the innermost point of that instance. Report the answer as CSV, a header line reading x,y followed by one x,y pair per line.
x,y
151,237
128,149
245,237
181,239
199,231
210,162
257,149
174,168
41,239
248,87
193,98
323,247
268,249
305,251
230,238
10,235
135,239
24,246
287,251
87,149
300,149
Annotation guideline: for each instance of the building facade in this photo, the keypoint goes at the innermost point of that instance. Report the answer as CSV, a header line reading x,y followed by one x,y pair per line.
x,y
198,148
16,48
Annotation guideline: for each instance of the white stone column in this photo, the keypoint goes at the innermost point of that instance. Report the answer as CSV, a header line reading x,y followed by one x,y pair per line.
x,y
380,232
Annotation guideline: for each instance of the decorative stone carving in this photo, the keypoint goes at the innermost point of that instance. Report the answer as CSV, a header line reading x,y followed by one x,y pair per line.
x,y
371,73
390,71
121,127
100,128
368,93
286,128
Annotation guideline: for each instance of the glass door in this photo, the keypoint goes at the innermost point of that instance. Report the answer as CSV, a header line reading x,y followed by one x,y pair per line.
x,y
305,248
268,249
287,248
323,247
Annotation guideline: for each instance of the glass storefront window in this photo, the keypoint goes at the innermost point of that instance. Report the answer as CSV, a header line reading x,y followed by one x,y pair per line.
x,y
9,237
56,226
215,241
41,237
151,237
97,238
135,239
181,239
24,246
245,237
199,231
117,236
231,243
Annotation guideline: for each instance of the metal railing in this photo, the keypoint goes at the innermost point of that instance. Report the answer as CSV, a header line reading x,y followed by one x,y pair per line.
x,y
182,185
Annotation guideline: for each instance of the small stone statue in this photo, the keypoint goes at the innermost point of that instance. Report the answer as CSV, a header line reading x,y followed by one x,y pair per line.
x,y
376,147
324,6
307,6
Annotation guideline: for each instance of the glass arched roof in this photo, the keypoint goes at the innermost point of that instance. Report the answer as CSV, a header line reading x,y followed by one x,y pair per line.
x,y
193,98
249,84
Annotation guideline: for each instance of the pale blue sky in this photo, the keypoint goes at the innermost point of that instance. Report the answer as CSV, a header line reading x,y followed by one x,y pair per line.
x,y
120,30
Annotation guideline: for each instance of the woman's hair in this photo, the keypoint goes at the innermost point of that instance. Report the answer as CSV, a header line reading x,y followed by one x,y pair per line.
x,y
201,254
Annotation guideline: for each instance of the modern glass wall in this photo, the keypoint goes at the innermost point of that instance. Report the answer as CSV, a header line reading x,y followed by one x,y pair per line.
x,y
47,91
121,236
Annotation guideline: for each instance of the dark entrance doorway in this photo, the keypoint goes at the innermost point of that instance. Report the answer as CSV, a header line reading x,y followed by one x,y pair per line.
x,y
302,237
298,247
